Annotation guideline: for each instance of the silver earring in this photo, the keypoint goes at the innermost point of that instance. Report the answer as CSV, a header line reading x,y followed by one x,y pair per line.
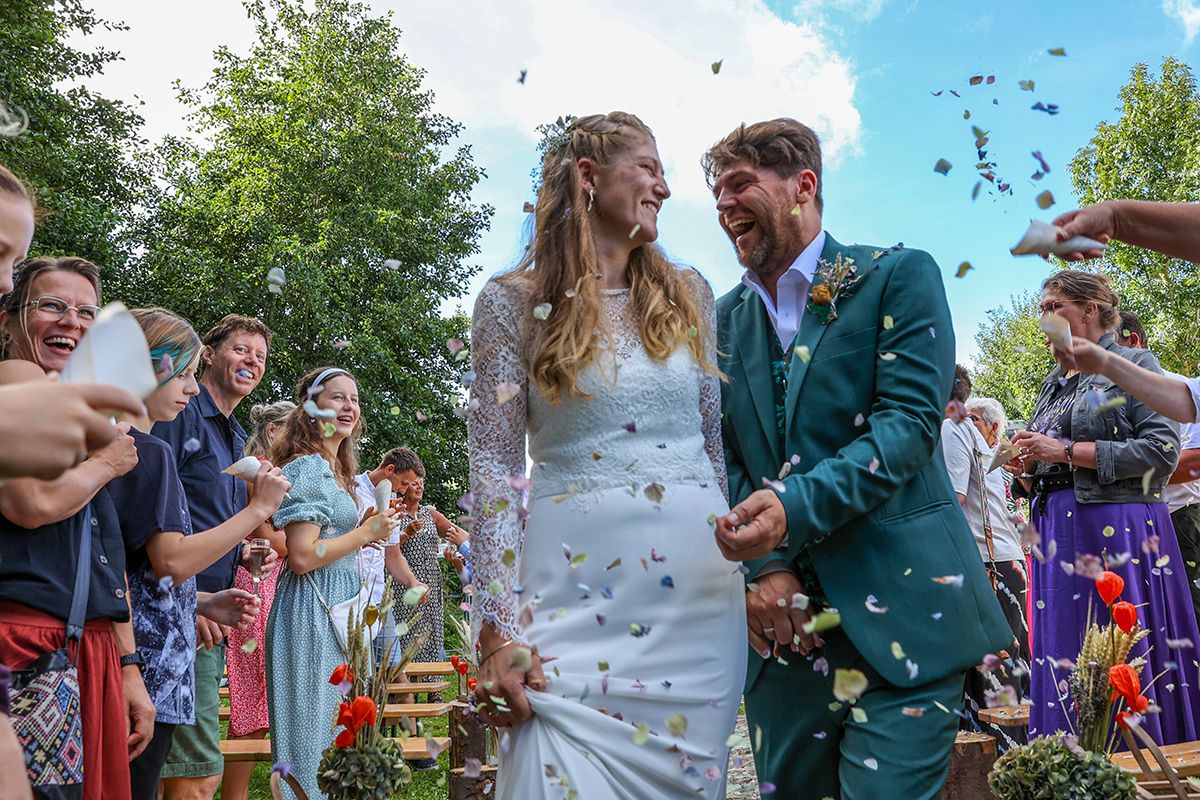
x,y
591,198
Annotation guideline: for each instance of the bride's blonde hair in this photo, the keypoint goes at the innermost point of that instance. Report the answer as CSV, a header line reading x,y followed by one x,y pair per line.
x,y
560,267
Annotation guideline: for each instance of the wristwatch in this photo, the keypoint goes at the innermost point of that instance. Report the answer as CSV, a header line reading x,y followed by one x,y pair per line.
x,y
133,659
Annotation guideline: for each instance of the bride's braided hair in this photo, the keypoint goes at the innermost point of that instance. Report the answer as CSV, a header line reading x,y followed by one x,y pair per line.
x,y
561,268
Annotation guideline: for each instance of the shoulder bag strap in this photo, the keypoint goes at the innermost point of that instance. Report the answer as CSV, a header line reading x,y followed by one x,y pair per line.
x,y
83,582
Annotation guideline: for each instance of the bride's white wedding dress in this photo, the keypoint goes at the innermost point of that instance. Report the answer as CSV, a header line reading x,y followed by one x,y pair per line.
x,y
617,579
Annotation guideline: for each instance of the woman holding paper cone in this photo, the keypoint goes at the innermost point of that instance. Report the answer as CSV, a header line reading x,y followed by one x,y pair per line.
x,y
318,448
163,556
1094,463
43,525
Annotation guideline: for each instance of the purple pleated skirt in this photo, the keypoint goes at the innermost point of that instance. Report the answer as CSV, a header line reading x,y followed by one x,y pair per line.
x,y
1155,582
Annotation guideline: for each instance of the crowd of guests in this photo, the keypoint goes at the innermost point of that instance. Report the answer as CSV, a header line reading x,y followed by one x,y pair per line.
x,y
1105,476
136,548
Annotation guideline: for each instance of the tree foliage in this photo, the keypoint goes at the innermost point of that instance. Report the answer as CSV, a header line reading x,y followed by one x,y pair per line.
x,y
318,154
1012,360
1151,153
81,153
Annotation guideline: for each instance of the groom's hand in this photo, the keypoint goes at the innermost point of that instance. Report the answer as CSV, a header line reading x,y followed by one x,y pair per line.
x,y
773,624
754,527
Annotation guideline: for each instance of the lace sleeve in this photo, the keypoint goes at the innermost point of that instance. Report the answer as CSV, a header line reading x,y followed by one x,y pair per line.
x,y
496,428
710,386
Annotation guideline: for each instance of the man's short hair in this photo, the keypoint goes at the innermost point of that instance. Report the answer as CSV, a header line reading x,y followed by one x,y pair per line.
x,y
235,323
962,384
782,145
403,459
1128,325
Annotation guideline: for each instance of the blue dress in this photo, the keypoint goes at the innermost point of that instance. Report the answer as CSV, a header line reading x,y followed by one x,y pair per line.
x,y
302,649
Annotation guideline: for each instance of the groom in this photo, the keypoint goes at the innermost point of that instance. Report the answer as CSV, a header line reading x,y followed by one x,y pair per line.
x,y
840,361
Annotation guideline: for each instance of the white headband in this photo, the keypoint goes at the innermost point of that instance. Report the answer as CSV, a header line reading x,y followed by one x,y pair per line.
x,y
315,386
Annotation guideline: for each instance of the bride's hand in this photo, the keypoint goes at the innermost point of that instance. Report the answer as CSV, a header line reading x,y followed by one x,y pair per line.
x,y
502,681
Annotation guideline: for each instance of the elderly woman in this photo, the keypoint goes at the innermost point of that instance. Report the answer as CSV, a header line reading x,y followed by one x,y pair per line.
x,y
1095,461
968,447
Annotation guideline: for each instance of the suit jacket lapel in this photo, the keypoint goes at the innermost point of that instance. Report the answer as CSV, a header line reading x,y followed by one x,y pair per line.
x,y
749,323
812,329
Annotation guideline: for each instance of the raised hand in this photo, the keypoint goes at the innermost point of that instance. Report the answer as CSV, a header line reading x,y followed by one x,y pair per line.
x,y
754,527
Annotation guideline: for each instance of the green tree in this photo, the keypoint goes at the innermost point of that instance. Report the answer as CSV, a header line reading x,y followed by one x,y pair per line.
x,y
1151,153
1012,360
318,154
81,153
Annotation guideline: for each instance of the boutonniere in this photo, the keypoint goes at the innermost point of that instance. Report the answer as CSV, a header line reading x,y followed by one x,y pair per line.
x,y
831,283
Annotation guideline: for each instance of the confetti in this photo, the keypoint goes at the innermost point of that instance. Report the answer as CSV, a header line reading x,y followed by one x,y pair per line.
x,y
888,322
275,280
1147,476
634,231
910,711
165,583
797,211
858,715
654,492
641,734
638,631
191,445
522,658
667,582
506,391
630,427
677,724
413,596
1026,86
250,645
823,621
1045,200
873,466
542,310
963,269
887,356
716,66
897,651
577,560
873,605
870,763
848,684
1057,51
802,352
942,167
949,580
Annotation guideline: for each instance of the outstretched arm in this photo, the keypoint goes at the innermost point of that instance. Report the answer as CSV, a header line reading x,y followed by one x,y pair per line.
x,y
1172,229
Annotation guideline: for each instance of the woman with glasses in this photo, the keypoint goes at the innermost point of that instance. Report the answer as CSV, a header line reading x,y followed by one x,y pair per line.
x,y
43,528
968,447
1094,462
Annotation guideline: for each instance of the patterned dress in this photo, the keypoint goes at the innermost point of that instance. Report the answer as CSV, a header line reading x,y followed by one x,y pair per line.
x,y
248,671
421,552
302,648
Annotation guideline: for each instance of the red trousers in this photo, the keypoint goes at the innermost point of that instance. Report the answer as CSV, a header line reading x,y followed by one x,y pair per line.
x,y
25,634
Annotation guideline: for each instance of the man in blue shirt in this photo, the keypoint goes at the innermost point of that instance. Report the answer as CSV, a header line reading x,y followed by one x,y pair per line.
x,y
207,438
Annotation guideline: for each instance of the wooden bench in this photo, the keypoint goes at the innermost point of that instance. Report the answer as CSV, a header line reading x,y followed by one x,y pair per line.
x,y
1006,716
392,711
1184,758
260,749
417,669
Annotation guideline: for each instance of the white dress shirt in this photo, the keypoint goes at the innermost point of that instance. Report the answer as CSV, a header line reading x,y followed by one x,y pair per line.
x,y
791,292
371,559
1178,495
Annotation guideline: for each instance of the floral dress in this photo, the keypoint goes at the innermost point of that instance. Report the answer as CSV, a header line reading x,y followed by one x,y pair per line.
x,y
248,670
421,552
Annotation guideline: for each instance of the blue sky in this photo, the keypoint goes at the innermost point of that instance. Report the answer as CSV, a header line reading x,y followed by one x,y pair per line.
x,y
860,71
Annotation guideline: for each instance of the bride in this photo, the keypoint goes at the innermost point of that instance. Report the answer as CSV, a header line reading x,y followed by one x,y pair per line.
x,y
612,634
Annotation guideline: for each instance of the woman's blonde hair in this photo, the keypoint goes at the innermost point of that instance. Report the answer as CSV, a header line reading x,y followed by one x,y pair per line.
x,y
302,436
1086,287
174,345
561,269
263,415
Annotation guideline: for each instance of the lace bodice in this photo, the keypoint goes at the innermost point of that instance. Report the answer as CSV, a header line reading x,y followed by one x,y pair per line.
x,y
646,425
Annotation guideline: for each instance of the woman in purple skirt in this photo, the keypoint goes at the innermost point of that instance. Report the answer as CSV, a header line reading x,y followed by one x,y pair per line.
x,y
1094,462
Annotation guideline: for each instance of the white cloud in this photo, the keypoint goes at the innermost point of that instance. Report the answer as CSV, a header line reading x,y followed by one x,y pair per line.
x,y
817,11
651,59
1188,14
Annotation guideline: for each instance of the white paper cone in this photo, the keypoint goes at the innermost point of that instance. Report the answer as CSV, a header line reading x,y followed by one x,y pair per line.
x,y
245,469
1041,239
113,353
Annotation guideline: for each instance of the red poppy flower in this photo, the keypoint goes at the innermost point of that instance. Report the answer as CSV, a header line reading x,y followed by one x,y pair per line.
x,y
344,716
341,674
471,683
1125,681
1109,585
1122,718
364,712
1124,614
345,738
454,661
462,667
1138,703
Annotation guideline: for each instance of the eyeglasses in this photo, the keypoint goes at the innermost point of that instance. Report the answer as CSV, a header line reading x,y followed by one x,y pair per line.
x,y
1054,306
407,484
55,308
973,418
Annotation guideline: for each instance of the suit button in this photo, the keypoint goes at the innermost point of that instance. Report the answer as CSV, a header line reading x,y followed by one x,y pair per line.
x,y
120,593
103,559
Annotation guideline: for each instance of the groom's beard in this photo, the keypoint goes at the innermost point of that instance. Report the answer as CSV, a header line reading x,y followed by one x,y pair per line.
x,y
771,250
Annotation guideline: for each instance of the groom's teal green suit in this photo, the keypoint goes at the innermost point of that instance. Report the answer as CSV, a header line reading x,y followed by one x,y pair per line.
x,y
870,507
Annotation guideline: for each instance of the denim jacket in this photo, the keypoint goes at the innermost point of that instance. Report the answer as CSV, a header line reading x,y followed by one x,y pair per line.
x,y
1130,439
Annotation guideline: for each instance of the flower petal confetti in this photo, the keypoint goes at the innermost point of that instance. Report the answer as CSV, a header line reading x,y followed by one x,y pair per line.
x,y
848,684
542,310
